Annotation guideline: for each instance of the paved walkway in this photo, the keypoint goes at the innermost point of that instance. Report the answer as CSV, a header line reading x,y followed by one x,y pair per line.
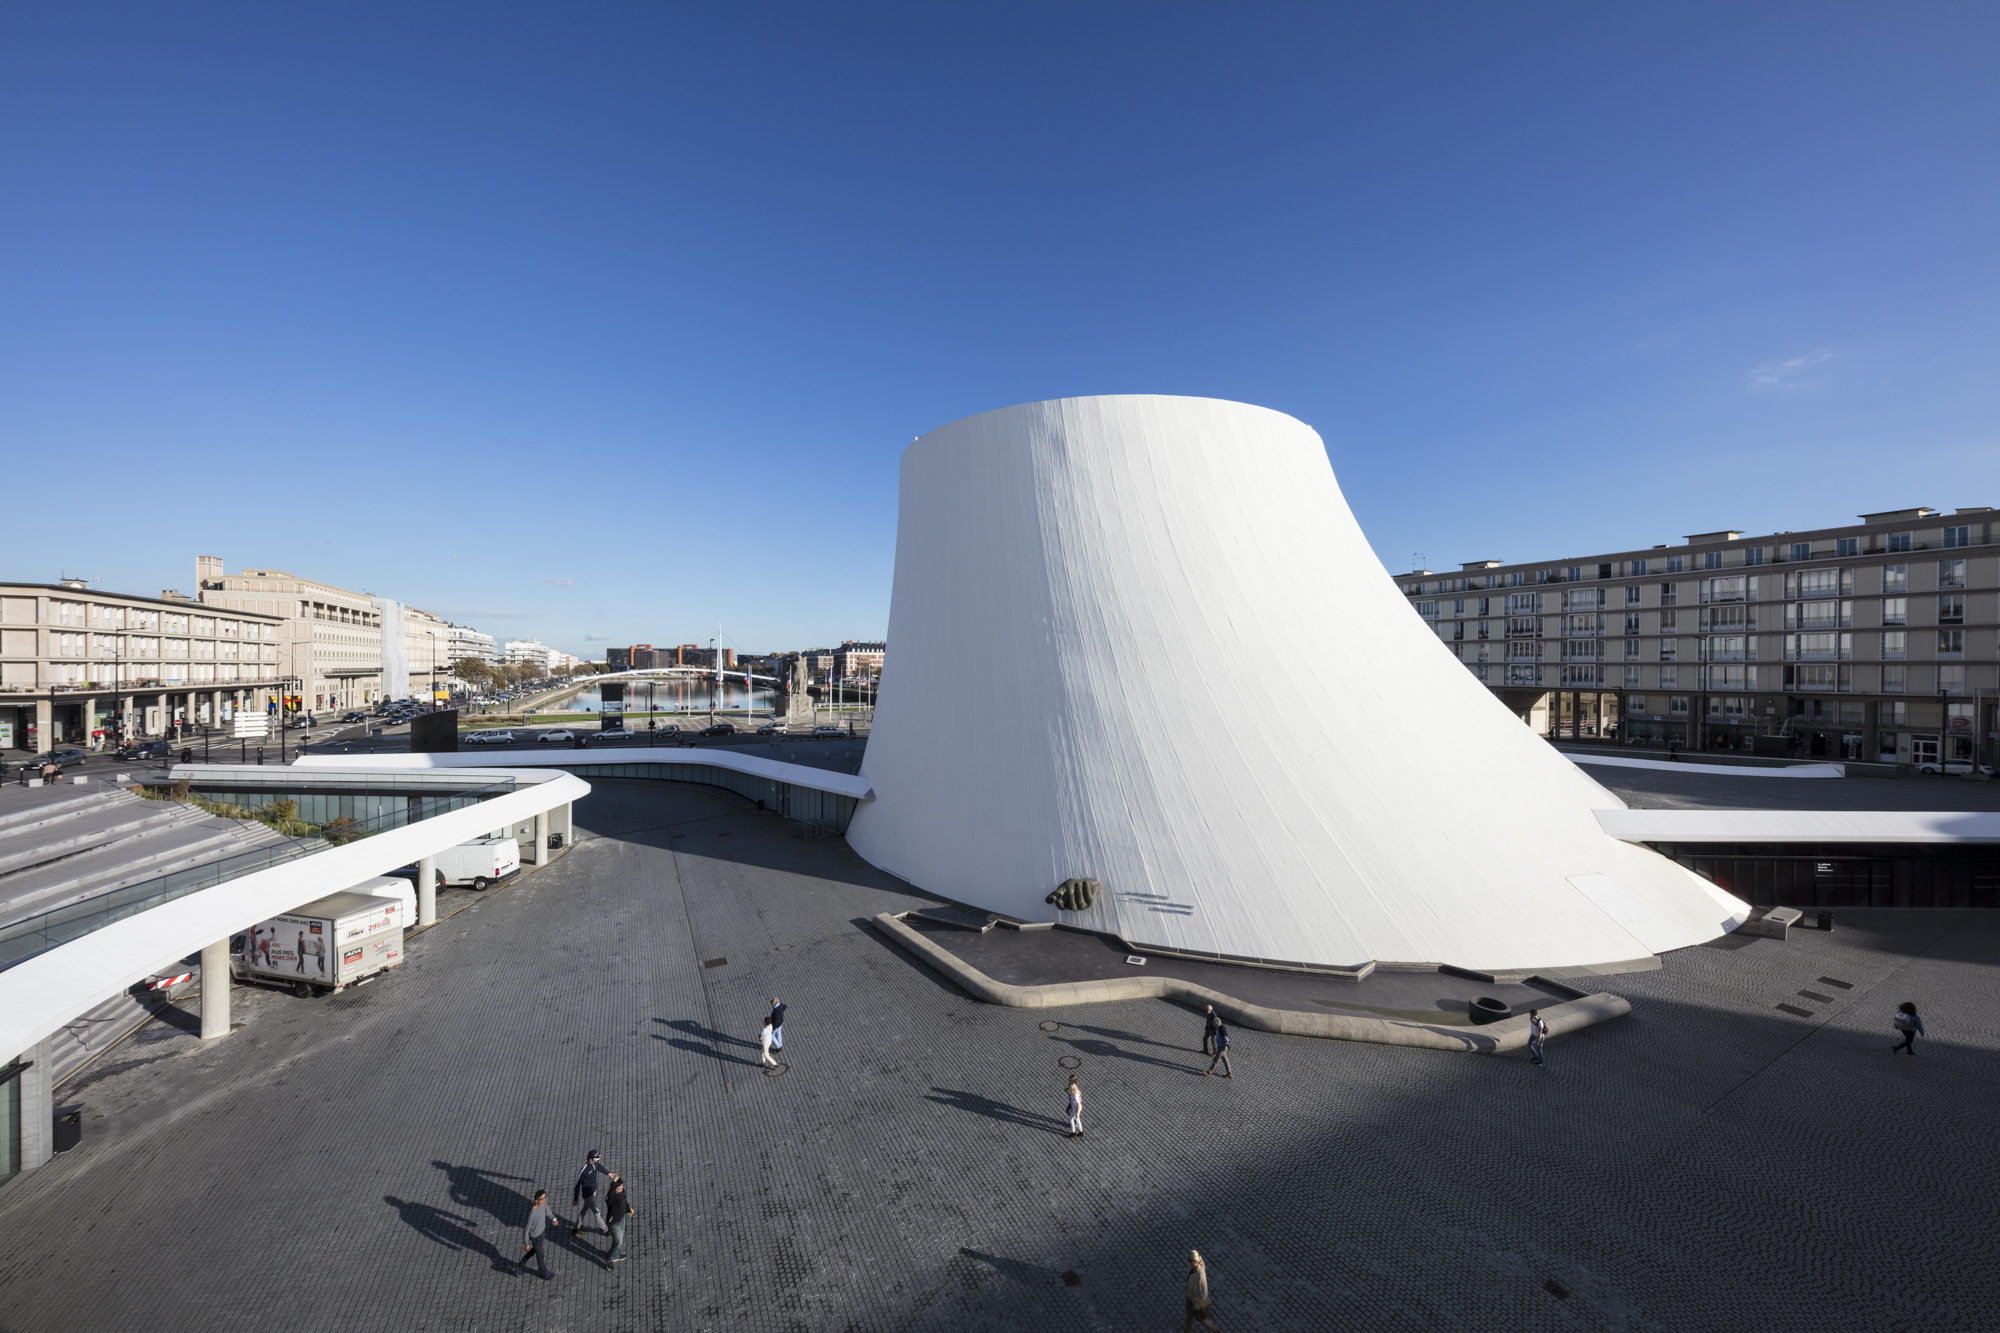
x,y
363,1161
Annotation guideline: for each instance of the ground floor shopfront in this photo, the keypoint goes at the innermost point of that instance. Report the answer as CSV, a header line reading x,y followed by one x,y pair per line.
x,y
113,717
1847,874
1872,730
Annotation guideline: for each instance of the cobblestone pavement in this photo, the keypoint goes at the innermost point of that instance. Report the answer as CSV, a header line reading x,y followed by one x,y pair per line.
x,y
362,1162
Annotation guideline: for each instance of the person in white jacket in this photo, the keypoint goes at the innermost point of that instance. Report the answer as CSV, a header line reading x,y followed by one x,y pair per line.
x,y
764,1040
1910,1025
1197,1293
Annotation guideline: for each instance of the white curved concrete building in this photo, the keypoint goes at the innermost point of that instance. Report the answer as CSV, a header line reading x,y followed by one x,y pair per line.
x,y
1141,640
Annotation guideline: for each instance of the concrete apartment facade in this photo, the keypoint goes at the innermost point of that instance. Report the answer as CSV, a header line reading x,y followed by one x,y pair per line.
x,y
332,639
74,661
1878,641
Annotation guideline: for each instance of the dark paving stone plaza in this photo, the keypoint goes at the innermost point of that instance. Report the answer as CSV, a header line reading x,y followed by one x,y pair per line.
x,y
364,1161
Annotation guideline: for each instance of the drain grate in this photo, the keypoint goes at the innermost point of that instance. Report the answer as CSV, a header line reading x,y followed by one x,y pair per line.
x,y
1556,1289
715,962
1831,981
1794,1009
1071,1279
1050,1027
1070,1062
1815,995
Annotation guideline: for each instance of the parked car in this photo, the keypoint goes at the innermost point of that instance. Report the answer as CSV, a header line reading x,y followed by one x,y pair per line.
x,y
146,750
771,729
1951,766
559,734
487,738
61,758
613,734
354,717
824,730
670,729
719,729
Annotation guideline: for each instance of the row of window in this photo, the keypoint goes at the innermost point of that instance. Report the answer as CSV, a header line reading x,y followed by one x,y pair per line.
x,y
1801,677
1844,548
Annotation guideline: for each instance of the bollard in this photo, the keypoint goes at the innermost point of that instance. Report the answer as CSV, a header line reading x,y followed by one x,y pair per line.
x,y
1825,919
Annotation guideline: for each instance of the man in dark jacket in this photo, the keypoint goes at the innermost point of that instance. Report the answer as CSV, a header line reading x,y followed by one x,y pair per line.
x,y
616,1210
588,1196
777,1024
1221,1053
1208,1027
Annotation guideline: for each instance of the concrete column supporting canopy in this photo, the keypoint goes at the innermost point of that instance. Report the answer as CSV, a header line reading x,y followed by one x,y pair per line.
x,y
215,990
427,895
541,837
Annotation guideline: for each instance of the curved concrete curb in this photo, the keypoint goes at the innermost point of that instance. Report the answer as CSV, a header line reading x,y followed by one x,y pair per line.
x,y
1507,1035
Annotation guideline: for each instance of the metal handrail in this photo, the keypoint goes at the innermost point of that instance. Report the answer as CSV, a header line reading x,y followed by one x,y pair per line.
x,y
23,939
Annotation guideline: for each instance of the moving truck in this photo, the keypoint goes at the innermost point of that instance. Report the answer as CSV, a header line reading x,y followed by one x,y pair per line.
x,y
481,862
323,946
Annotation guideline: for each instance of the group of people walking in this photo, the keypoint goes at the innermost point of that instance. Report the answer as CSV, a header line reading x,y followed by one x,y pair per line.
x,y
598,1193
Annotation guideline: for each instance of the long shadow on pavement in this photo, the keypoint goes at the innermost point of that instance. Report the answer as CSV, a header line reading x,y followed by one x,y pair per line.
x,y
714,1039
473,1187
1015,1269
992,1110
447,1229
1091,1046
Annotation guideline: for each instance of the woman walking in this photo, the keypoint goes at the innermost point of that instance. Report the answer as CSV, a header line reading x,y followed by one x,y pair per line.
x,y
1910,1026
764,1040
1197,1293
1075,1109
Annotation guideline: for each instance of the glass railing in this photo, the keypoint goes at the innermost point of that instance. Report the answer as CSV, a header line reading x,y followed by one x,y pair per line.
x,y
23,939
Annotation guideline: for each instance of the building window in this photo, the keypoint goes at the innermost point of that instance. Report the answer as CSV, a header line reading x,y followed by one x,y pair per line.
x,y
1523,603
1631,650
1524,675
1951,643
1457,630
1677,705
1631,622
1899,541
1951,680
1485,629
1844,547
1480,672
1892,713
1582,675
1574,573
1801,551
1669,648
1428,610
1631,594
1669,621
1638,567
1458,607
1669,594
1631,677
1753,555
1676,564
1895,610
1711,560
1951,609
1959,536
1895,644
1895,578
1951,573
1669,678
1893,679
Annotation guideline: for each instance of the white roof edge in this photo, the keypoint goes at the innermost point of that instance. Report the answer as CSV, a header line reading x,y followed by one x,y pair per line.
x,y
850,785
44,992
1935,826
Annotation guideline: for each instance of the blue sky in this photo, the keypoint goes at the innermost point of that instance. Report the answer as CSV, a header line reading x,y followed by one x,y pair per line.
x,y
611,320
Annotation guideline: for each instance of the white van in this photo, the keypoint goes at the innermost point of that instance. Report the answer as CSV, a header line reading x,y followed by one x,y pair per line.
x,y
480,862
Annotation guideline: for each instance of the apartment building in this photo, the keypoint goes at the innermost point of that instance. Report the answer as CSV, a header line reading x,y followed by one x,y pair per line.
x,y
1873,641
531,651
332,643
463,642
857,658
74,662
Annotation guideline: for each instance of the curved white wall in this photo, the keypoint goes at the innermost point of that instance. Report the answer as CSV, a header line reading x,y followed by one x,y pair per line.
x,y
1141,640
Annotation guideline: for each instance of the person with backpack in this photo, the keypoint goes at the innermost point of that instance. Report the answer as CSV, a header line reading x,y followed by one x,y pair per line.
x,y
588,1196
1910,1025
1221,1052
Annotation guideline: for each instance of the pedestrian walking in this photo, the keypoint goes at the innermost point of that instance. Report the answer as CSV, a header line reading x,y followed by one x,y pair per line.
x,y
588,1195
1910,1026
764,1040
1208,1027
534,1235
1075,1109
1221,1053
1538,1032
1198,1303
616,1209
777,1024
